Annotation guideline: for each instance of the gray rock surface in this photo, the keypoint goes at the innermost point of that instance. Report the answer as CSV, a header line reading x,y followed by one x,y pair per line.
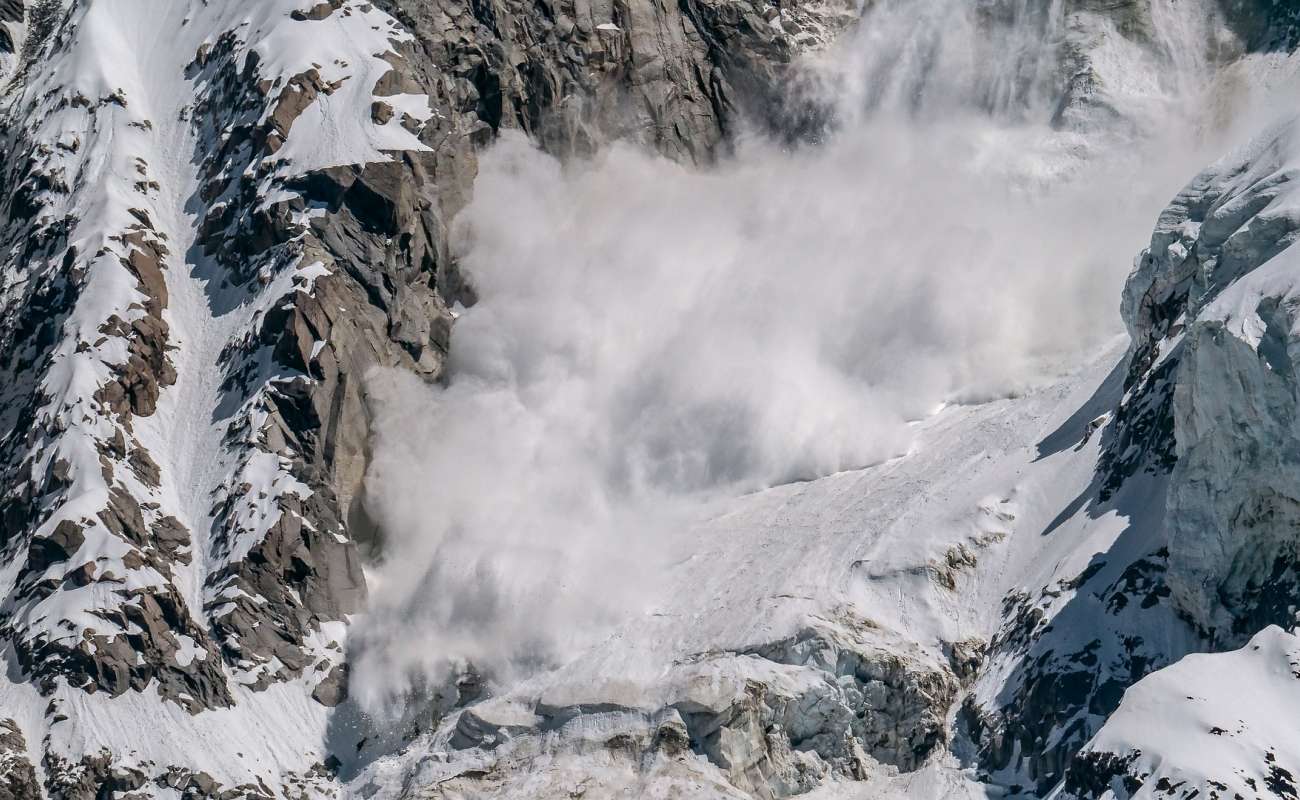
x,y
1213,325
18,779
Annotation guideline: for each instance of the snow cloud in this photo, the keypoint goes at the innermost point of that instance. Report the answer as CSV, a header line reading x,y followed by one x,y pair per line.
x,y
650,334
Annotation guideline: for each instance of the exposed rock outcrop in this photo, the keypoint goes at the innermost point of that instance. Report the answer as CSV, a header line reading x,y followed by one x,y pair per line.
x,y
574,75
11,11
17,775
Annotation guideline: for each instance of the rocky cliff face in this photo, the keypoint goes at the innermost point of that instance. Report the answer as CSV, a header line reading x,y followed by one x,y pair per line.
x,y
1211,298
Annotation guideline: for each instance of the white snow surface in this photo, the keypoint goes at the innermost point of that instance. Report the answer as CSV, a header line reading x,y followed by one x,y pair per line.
x,y
1213,722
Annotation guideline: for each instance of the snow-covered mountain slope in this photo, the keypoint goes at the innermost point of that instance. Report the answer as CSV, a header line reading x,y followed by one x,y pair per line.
x,y
219,218
1214,725
149,504
1211,305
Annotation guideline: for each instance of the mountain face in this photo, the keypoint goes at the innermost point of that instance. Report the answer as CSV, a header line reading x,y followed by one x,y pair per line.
x,y
1211,297
221,220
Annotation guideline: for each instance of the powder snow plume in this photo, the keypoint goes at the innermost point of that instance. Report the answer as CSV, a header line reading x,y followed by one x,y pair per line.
x,y
648,335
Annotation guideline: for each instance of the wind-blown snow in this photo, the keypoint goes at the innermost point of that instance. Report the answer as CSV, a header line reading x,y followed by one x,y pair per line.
x,y
648,335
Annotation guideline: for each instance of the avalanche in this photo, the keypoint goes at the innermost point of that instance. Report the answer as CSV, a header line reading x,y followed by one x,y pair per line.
x,y
787,444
